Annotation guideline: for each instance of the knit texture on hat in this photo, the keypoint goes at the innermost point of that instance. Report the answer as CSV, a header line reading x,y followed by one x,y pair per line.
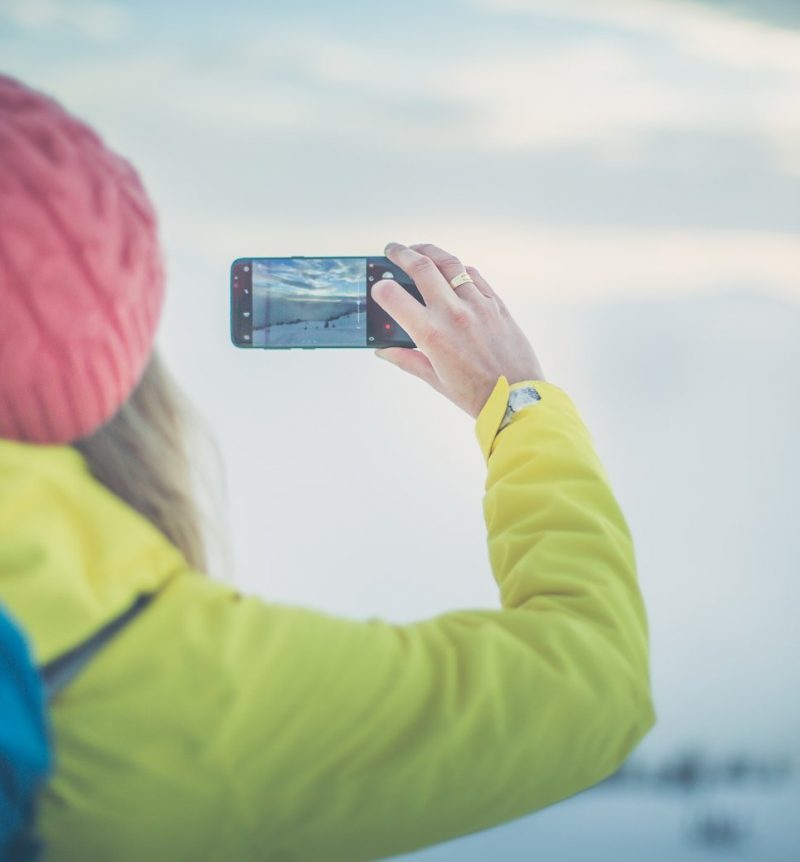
x,y
81,272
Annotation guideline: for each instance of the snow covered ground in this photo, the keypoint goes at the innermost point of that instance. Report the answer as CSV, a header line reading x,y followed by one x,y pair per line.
x,y
350,330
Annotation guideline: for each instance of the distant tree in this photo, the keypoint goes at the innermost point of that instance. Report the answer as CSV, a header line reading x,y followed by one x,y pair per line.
x,y
723,830
689,769
685,771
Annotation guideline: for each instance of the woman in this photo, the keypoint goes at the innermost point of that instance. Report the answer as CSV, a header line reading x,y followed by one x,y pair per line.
x,y
202,724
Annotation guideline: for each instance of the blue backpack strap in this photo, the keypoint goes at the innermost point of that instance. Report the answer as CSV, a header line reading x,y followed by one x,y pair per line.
x,y
59,673
25,758
25,754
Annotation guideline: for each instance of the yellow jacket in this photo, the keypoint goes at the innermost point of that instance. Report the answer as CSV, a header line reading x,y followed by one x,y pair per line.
x,y
221,727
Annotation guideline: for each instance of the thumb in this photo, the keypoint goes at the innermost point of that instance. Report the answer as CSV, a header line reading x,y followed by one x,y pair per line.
x,y
413,361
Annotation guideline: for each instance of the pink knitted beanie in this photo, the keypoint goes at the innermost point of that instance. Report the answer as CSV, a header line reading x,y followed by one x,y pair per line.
x,y
81,274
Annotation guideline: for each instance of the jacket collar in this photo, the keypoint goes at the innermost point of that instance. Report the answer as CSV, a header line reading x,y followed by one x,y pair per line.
x,y
72,554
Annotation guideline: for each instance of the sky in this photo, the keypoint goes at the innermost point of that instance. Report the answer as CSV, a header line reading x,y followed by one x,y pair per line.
x,y
626,175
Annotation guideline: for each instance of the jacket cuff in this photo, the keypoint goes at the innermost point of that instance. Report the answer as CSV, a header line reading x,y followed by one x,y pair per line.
x,y
492,412
491,416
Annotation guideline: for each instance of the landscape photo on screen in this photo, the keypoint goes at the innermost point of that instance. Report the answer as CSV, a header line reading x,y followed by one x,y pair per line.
x,y
311,302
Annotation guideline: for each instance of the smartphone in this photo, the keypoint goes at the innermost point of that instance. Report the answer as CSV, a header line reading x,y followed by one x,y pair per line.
x,y
310,302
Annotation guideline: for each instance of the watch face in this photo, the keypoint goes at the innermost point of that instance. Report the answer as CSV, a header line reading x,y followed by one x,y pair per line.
x,y
518,398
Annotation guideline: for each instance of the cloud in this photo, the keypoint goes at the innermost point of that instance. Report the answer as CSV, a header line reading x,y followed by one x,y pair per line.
x,y
746,76
688,69
711,71
591,125
706,32
97,21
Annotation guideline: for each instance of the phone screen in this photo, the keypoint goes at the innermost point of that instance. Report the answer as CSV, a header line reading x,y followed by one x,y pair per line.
x,y
284,302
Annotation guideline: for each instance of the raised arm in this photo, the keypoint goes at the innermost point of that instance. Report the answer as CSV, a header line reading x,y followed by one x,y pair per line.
x,y
360,740
343,740
263,731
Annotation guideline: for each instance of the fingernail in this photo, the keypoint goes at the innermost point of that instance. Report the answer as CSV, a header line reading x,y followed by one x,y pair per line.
x,y
390,245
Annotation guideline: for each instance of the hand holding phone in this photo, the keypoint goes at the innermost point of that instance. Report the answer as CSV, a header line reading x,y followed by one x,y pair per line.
x,y
466,336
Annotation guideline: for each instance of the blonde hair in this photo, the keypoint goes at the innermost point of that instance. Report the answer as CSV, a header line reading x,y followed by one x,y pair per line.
x,y
142,455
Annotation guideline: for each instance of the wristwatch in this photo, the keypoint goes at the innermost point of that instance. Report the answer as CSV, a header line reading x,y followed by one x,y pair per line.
x,y
518,399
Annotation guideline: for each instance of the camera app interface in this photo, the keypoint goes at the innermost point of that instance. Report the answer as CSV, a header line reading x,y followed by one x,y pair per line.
x,y
323,301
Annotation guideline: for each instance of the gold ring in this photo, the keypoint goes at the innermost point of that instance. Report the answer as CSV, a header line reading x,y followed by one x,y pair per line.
x,y
461,278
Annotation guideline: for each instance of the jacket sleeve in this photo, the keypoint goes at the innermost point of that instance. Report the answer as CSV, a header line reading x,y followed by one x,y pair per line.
x,y
359,740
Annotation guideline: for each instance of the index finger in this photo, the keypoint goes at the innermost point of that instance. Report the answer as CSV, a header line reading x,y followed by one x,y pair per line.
x,y
425,274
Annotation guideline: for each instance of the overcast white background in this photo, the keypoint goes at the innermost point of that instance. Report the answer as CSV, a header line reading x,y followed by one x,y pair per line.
x,y
626,174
